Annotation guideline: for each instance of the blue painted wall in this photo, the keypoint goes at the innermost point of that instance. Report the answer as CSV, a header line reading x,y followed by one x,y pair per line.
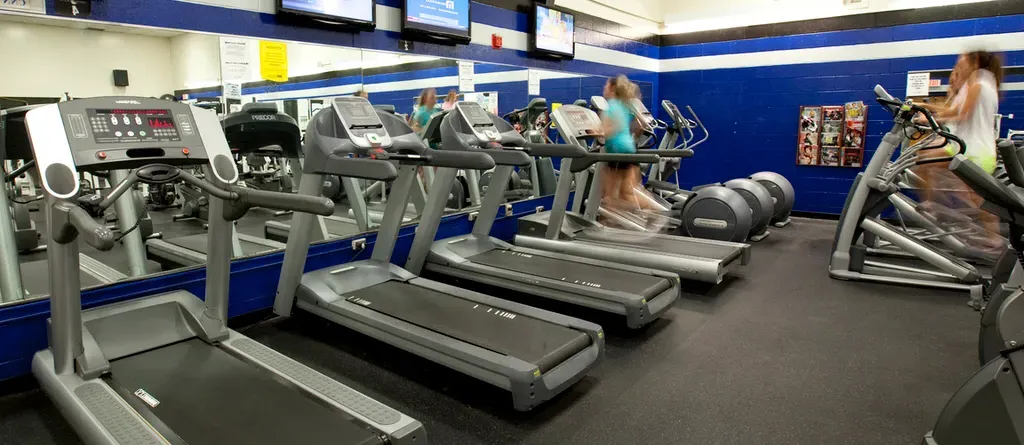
x,y
752,112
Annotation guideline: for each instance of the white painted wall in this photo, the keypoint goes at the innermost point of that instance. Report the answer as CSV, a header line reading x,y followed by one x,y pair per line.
x,y
196,60
681,16
644,15
46,61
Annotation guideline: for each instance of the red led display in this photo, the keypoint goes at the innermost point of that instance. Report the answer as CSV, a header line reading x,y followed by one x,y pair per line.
x,y
161,123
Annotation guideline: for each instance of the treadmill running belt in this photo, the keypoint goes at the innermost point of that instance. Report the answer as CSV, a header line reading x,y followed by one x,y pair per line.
x,y
544,344
198,243
207,396
657,244
35,277
639,285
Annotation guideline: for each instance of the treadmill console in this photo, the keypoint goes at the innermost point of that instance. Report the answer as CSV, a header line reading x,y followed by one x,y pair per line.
x,y
576,122
674,112
643,115
360,122
599,103
105,133
477,120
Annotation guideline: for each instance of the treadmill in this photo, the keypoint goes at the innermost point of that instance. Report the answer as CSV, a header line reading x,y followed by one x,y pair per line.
x,y
165,369
532,353
253,129
572,233
26,279
638,293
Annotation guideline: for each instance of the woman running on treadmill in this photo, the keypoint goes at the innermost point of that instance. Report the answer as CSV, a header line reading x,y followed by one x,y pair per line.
x,y
621,188
424,108
970,114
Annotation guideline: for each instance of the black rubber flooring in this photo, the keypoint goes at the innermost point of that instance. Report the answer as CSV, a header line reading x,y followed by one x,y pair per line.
x,y
780,354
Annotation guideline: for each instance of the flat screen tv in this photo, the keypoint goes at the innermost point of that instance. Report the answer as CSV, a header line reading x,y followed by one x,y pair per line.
x,y
554,32
440,20
361,14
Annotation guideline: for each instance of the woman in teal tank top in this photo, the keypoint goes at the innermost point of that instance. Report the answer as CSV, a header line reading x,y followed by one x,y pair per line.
x,y
621,179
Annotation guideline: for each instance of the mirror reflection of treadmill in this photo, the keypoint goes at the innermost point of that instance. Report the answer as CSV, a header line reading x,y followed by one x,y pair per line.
x,y
249,131
96,268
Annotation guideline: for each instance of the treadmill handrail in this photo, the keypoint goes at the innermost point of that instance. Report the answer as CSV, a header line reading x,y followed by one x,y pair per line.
x,y
593,158
556,150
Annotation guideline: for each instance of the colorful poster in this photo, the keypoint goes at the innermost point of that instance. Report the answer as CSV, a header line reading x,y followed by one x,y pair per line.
x,y
809,136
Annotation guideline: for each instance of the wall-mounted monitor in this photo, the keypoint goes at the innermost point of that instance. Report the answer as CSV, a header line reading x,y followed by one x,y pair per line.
x,y
358,14
441,20
554,32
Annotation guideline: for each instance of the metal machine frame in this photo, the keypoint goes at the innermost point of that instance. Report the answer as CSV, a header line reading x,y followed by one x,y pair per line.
x,y
868,196
104,366
487,338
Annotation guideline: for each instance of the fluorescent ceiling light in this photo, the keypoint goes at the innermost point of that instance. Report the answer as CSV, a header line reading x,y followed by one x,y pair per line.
x,y
795,10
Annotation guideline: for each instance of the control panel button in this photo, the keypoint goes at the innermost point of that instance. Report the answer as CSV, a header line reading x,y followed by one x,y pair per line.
x,y
126,121
113,120
185,151
138,120
373,138
142,133
117,133
131,133
101,154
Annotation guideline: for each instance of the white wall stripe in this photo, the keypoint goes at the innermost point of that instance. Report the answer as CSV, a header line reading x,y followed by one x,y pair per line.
x,y
872,51
405,85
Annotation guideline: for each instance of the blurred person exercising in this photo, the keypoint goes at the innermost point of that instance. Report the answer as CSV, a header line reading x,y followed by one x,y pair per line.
x,y
970,114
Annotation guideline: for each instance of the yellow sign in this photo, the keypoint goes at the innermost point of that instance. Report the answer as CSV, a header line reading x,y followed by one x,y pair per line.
x,y
555,106
274,61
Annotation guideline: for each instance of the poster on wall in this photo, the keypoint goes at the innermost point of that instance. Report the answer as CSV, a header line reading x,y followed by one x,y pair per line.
x,y
808,141
831,134
273,61
854,133
234,59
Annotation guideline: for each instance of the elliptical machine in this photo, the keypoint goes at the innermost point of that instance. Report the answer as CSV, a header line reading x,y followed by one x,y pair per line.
x,y
989,407
758,199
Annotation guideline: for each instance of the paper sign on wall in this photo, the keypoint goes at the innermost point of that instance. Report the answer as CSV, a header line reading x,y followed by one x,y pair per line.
x,y
466,83
233,90
234,60
533,83
273,61
917,84
36,6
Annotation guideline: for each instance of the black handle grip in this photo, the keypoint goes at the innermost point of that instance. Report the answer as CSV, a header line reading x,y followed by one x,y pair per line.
x,y
363,168
93,233
557,150
21,170
674,153
404,158
508,156
579,165
284,201
473,160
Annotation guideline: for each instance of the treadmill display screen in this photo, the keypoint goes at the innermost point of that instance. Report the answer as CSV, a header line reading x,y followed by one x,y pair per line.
x,y
110,126
475,114
674,111
357,113
582,122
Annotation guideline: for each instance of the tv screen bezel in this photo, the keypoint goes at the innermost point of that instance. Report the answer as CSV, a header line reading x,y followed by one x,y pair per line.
x,y
328,19
533,34
438,33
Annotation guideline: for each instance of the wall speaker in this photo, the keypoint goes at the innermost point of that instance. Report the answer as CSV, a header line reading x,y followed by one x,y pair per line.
x,y
120,78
